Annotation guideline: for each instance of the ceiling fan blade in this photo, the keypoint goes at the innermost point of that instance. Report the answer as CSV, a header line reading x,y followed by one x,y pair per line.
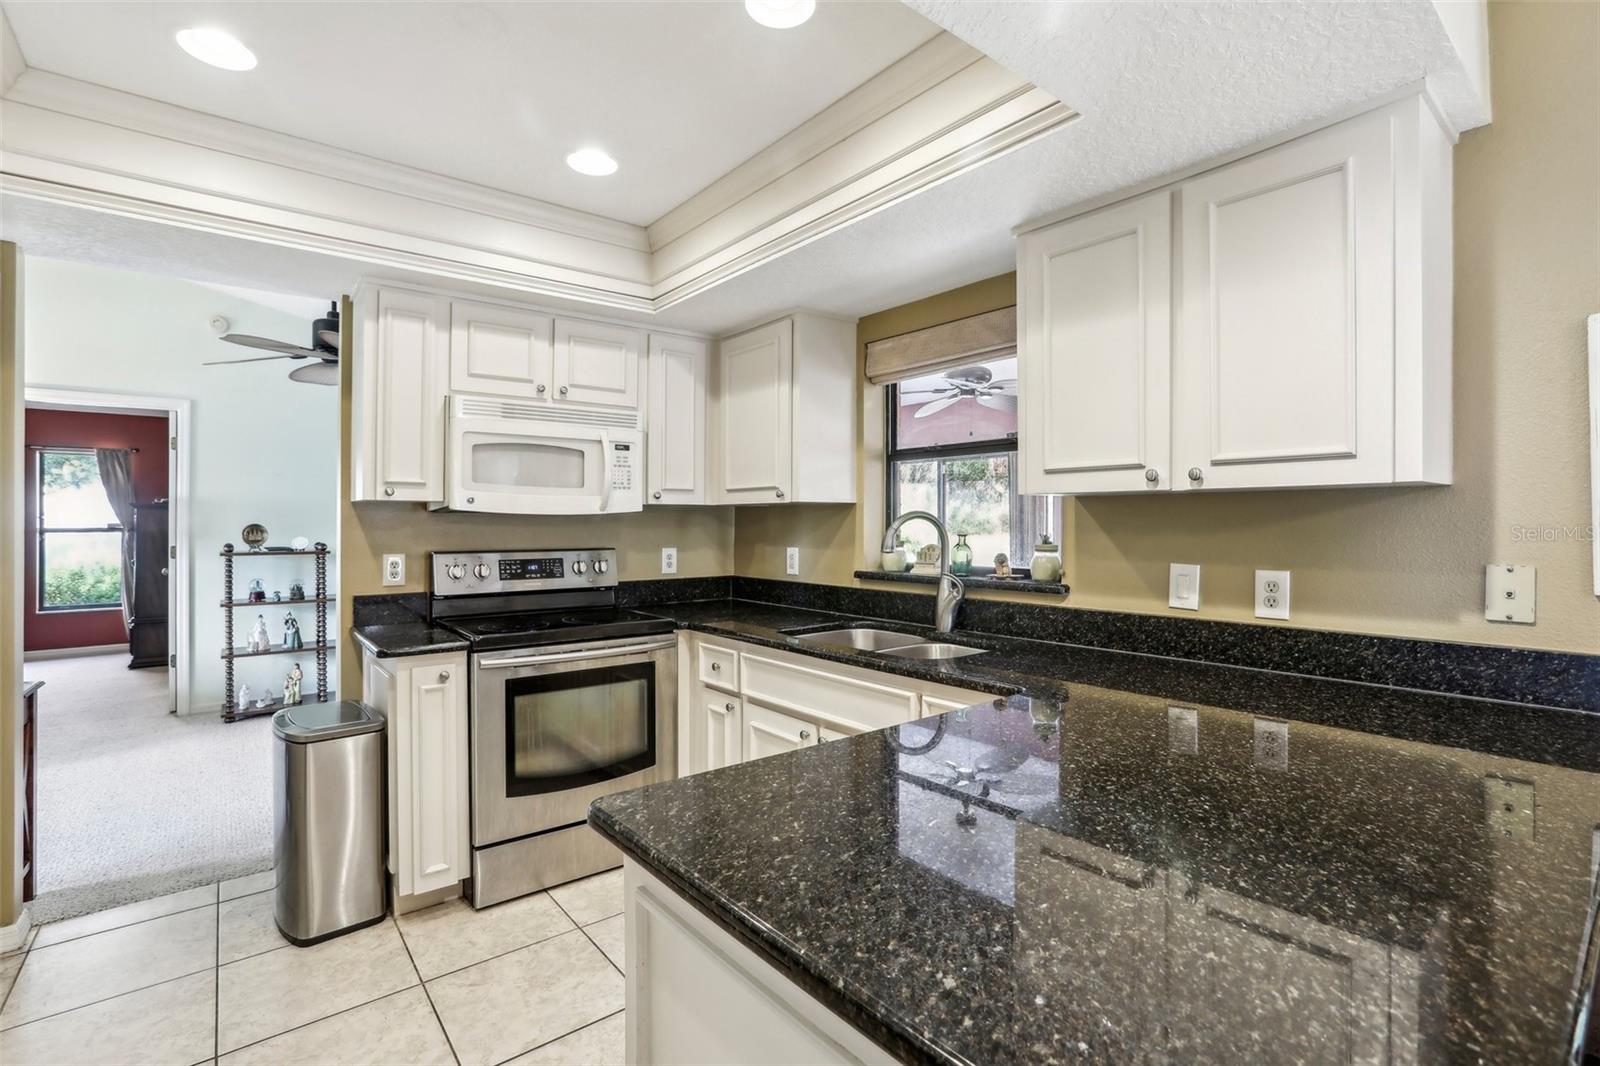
x,y
257,359
330,337
267,343
1003,402
935,407
928,392
970,375
318,373
1003,383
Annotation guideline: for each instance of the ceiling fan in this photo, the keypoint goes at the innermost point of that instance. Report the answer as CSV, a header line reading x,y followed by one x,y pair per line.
x,y
324,348
977,382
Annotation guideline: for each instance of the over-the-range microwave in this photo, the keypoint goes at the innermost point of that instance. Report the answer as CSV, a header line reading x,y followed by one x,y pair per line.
x,y
506,457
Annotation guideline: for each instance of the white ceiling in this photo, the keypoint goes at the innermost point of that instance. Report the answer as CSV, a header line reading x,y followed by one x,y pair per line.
x,y
496,93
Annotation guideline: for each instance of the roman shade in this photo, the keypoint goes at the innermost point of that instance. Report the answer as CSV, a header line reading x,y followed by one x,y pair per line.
x,y
990,335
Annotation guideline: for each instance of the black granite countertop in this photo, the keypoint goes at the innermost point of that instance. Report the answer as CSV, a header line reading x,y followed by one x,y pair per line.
x,y
407,638
1132,859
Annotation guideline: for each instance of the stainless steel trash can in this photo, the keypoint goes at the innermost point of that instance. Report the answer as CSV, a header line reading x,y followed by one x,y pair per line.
x,y
328,819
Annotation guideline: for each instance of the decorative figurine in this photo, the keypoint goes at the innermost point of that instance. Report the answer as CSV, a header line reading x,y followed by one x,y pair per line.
x,y
291,633
300,544
259,640
277,595
254,536
264,702
927,560
258,593
297,591
244,697
1046,564
291,685
1002,565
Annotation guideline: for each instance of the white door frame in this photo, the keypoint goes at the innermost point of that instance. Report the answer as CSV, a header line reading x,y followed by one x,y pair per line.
x,y
180,565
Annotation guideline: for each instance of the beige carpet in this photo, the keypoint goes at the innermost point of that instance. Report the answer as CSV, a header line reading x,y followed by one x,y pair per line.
x,y
134,802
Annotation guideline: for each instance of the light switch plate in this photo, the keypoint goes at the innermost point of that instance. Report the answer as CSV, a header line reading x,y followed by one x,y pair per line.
x,y
669,560
791,561
394,569
1183,586
1509,592
1272,594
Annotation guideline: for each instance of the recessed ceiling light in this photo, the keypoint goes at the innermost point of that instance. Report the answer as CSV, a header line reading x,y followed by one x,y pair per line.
x,y
217,47
593,162
780,14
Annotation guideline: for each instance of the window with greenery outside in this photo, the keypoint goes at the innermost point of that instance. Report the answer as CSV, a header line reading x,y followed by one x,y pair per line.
x,y
80,539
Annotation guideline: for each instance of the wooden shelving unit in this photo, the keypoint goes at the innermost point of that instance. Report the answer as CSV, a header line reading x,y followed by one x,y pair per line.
x,y
320,646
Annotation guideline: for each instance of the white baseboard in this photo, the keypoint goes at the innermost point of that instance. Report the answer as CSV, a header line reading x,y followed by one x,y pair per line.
x,y
13,936
74,653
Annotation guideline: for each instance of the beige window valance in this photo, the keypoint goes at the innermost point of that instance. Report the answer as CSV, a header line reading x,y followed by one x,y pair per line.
x,y
990,335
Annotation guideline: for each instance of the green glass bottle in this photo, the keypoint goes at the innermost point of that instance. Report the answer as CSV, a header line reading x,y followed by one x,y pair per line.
x,y
961,556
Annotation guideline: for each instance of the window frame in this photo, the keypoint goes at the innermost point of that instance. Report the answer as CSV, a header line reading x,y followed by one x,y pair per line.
x,y
41,531
992,447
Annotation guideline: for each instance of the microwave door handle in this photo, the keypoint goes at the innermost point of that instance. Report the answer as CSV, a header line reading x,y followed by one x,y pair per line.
x,y
605,470
613,652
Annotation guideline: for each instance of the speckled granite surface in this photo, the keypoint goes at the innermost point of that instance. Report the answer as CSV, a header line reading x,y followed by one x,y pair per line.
x,y
407,638
1095,876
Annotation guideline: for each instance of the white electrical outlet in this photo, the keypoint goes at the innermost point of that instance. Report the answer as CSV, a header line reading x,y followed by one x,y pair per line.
x,y
669,560
1509,593
1272,744
1272,594
1183,586
394,569
791,561
1510,807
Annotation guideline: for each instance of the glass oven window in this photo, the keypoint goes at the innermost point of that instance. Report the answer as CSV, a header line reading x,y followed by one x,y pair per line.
x,y
580,727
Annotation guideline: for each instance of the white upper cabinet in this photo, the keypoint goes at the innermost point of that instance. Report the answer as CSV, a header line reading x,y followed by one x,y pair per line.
x,y
500,351
786,407
1096,351
597,363
1309,311
398,408
679,377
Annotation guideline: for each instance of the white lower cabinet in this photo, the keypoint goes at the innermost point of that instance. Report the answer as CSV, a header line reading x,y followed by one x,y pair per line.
x,y
721,739
769,732
824,734
424,698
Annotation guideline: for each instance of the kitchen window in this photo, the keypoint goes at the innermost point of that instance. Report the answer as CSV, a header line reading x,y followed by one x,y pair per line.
x,y
80,540
952,451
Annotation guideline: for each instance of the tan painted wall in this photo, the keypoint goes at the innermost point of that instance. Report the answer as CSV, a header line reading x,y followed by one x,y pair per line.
x,y
1403,561
11,549
367,531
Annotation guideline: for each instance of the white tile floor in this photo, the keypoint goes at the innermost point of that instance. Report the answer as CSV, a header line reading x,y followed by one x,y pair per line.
x,y
202,976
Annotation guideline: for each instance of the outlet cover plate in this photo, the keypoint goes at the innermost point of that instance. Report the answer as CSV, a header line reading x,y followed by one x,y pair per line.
x,y
394,570
1272,594
1183,586
669,560
791,561
1509,593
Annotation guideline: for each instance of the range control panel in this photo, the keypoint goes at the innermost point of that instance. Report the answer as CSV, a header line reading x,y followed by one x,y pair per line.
x,y
479,573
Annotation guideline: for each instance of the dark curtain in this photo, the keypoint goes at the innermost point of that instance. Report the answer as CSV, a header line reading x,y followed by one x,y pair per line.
x,y
116,474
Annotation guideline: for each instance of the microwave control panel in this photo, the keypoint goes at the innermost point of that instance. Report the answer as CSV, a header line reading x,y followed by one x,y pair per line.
x,y
623,457
501,572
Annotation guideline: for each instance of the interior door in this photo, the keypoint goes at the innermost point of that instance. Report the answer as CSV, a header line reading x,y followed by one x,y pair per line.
x,y
1095,360
596,363
500,351
756,436
1285,371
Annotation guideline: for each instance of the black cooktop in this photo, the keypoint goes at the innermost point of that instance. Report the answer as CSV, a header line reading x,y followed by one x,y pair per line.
x,y
526,629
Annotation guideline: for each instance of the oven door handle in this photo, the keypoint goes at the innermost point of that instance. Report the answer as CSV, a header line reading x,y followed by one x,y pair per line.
x,y
613,652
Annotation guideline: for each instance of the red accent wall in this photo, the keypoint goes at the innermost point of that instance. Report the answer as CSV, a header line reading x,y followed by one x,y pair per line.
x,y
148,433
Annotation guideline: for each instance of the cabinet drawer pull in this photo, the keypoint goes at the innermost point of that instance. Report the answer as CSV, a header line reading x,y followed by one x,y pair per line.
x,y
716,668
541,390
656,494
805,734
444,675
563,390
1152,475
1194,473
780,494
730,708
388,490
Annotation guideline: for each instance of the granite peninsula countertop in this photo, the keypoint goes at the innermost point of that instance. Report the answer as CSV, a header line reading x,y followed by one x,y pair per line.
x,y
407,638
1123,858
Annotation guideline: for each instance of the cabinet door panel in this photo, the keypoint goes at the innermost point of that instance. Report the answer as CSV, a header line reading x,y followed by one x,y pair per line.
x,y
769,732
1095,360
723,723
500,351
596,363
437,755
1286,366
676,419
756,435
411,381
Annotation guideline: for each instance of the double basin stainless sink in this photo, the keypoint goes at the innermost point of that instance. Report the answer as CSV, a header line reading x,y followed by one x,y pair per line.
x,y
888,642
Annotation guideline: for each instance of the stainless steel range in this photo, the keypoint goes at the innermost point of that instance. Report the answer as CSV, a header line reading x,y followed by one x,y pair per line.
x,y
571,698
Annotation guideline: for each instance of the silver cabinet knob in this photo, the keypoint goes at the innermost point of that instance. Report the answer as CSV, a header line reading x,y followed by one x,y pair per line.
x,y
716,668
444,675
388,490
656,494
780,494
1195,473
563,390
805,734
730,708
1152,475
541,390
472,499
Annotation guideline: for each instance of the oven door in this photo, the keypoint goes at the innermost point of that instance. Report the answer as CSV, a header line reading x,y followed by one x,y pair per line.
x,y
556,728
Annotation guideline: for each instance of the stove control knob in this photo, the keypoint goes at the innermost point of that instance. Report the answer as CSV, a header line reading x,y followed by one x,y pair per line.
x,y
579,566
457,571
481,571
601,566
